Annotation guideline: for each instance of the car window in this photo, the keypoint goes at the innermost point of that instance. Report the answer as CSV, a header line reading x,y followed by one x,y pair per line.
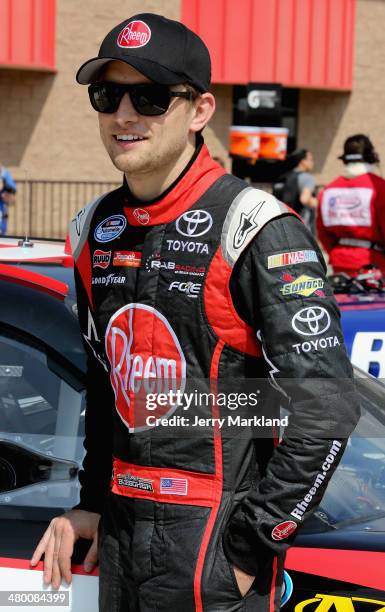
x,y
356,491
41,428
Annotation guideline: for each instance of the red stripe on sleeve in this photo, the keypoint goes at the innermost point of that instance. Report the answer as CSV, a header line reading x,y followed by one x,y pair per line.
x,y
221,313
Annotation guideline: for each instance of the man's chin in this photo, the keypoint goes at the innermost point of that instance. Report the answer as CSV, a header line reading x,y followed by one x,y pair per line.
x,y
126,163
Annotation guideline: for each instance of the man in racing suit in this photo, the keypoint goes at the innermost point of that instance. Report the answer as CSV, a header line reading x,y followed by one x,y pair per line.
x,y
195,277
351,220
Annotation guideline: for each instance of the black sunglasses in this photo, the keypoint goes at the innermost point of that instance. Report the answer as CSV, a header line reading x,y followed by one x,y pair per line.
x,y
146,98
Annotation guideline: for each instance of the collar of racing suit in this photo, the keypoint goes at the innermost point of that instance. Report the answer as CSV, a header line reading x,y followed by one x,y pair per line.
x,y
200,173
356,169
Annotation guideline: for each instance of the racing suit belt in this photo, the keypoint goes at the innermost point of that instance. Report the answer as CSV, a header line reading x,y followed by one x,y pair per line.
x,y
161,484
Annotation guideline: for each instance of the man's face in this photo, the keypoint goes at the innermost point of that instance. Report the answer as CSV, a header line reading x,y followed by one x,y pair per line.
x,y
165,137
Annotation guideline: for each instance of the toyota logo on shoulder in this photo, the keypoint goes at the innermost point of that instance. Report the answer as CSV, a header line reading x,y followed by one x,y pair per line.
x,y
194,223
311,321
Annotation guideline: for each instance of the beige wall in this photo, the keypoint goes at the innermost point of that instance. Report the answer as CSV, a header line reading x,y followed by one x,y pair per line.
x,y
217,132
328,118
49,131
48,128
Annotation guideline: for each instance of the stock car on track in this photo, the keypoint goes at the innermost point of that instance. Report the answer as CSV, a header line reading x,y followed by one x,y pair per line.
x,y
338,561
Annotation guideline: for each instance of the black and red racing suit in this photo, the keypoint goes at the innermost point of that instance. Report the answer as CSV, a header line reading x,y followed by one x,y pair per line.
x,y
213,281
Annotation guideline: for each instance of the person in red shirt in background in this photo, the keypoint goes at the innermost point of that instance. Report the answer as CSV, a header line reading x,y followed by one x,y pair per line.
x,y
351,218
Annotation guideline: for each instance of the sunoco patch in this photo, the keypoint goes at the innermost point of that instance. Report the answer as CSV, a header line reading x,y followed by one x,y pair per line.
x,y
303,285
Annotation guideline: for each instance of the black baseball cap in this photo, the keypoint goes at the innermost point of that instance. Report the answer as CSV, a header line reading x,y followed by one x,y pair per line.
x,y
359,148
165,51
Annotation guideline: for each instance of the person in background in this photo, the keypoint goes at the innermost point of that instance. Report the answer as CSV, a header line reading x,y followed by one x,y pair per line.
x,y
351,220
297,189
7,197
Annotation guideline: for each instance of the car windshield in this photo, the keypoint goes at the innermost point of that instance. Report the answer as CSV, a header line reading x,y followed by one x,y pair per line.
x,y
356,492
41,428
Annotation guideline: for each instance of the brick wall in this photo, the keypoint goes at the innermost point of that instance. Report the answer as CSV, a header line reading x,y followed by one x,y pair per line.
x,y
217,132
328,118
49,131
24,136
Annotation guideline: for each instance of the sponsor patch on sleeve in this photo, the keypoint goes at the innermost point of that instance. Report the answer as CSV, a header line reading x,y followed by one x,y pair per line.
x,y
290,258
303,285
283,530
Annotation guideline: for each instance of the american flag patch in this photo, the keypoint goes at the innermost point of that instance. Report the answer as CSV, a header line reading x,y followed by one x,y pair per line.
x,y
173,486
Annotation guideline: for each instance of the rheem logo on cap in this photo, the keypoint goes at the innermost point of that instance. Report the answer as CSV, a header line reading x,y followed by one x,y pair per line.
x,y
134,34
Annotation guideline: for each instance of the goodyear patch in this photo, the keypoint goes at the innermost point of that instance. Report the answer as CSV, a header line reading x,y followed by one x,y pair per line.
x,y
291,258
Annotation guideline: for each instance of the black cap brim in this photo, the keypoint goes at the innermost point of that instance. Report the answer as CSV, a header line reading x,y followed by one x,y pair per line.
x,y
90,70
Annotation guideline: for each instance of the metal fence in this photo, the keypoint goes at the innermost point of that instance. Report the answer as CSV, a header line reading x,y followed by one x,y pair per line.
x,y
44,208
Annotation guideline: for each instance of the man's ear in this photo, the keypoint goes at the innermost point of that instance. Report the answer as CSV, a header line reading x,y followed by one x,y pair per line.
x,y
204,107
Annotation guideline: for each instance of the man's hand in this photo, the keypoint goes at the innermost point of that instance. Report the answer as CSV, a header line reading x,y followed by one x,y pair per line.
x,y
244,580
58,541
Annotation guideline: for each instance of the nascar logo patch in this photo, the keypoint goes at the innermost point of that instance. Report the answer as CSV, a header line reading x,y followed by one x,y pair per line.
x,y
290,258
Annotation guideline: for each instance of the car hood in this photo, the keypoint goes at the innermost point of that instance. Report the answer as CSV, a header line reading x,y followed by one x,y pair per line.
x,y
368,534
363,326
359,302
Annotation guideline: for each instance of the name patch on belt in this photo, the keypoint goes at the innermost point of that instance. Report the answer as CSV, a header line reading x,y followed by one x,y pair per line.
x,y
134,482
